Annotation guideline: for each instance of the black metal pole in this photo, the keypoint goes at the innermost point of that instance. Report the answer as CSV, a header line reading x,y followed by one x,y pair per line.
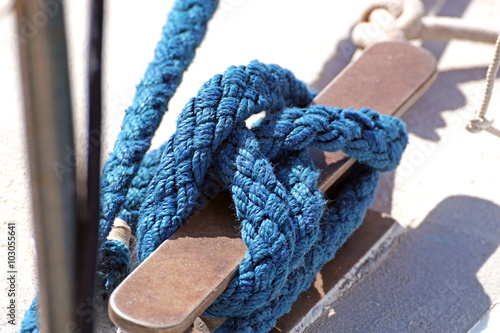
x,y
87,239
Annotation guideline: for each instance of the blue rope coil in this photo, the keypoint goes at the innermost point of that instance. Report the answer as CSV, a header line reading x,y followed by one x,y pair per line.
x,y
288,225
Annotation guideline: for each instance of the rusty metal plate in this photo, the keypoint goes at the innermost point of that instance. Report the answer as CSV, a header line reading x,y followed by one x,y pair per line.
x,y
189,270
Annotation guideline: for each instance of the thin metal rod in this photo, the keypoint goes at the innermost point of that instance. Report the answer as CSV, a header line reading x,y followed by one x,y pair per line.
x,y
47,102
87,236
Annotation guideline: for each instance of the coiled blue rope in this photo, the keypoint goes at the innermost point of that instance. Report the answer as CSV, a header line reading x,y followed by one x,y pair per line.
x,y
285,222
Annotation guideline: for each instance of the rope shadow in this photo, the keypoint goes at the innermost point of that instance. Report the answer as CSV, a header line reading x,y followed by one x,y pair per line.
x,y
424,118
428,282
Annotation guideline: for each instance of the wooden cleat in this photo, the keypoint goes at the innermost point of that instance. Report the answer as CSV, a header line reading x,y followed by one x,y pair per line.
x,y
174,285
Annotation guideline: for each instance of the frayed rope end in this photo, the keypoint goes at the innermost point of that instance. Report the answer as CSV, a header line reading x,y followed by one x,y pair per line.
x,y
114,256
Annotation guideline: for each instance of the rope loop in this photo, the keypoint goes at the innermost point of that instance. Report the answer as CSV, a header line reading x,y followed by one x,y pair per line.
x,y
479,124
406,20
388,20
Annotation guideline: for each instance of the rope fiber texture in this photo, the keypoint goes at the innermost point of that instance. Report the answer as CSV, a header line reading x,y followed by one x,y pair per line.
x,y
288,225
479,122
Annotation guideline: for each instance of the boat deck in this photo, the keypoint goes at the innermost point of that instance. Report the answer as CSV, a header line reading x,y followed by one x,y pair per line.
x,y
441,275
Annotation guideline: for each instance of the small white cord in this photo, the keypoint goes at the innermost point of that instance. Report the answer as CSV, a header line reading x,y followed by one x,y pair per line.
x,y
406,20
480,122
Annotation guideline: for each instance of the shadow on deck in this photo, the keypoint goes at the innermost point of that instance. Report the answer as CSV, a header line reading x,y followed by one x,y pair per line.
x,y
428,283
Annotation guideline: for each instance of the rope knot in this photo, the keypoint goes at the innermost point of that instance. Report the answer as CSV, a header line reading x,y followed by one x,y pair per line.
x,y
285,223
479,124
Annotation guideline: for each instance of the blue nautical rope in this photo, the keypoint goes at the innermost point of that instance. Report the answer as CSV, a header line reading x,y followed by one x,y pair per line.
x,y
288,225
183,33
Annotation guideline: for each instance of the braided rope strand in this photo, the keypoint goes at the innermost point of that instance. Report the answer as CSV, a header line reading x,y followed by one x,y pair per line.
x,y
480,122
182,34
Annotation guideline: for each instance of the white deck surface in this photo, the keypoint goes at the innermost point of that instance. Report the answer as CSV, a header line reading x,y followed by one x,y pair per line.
x,y
443,276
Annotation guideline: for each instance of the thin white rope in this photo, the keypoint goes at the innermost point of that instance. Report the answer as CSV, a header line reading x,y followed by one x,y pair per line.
x,y
405,20
480,122
409,22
